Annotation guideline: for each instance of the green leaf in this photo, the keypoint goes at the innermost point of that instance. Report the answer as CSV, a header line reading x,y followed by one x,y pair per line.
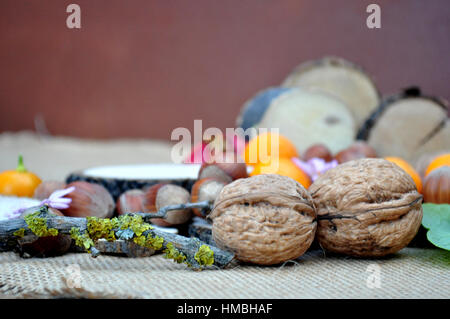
x,y
436,218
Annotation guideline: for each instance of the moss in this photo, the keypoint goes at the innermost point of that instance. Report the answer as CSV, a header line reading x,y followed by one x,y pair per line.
x,y
82,240
101,228
148,241
134,222
20,232
204,256
38,225
172,253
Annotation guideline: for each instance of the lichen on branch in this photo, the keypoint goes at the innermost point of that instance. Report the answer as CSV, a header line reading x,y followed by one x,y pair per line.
x,y
130,227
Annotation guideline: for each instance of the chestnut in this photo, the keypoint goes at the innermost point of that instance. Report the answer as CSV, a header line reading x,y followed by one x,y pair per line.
x,y
357,150
131,201
318,151
436,187
227,169
205,189
161,195
46,188
89,199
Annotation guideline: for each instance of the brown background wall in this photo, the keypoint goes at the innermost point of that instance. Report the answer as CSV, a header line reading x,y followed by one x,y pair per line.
x,y
141,68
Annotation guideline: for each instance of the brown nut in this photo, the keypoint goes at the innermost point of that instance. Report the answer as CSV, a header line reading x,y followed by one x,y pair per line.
x,y
265,219
227,168
131,201
436,187
161,195
318,151
46,188
49,246
359,149
205,189
89,199
367,207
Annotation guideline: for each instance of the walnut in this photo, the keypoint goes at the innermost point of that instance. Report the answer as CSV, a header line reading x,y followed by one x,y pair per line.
x,y
367,207
264,219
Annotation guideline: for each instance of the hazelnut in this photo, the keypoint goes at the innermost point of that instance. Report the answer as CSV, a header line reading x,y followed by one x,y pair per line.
x,y
46,188
205,189
359,149
265,219
161,195
436,187
367,207
227,169
89,199
318,151
45,246
131,201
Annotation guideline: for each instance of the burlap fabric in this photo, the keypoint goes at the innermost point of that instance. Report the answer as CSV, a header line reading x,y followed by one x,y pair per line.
x,y
411,273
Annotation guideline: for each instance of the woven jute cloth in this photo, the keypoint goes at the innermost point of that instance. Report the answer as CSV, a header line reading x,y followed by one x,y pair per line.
x,y
411,273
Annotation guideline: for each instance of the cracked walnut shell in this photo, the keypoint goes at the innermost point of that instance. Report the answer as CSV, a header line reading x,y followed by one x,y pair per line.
x,y
265,219
366,207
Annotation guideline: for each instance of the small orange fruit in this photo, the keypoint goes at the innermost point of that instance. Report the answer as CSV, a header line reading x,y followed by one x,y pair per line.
x,y
262,148
439,161
284,167
18,182
408,169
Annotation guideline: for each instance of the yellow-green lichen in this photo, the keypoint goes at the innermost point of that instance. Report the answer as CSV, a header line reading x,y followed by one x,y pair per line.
x,y
172,253
148,241
134,222
101,228
82,240
38,225
20,232
204,256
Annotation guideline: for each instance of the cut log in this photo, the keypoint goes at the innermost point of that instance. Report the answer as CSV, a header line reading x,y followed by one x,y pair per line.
x,y
408,125
308,116
341,78
253,110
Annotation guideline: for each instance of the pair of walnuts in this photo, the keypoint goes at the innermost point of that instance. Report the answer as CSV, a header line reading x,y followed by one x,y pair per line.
x,y
367,207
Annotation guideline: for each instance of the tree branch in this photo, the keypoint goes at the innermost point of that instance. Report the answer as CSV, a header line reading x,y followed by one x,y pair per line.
x,y
129,227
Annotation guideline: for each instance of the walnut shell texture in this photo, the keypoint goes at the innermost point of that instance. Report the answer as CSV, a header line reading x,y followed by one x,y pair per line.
x,y
367,207
265,219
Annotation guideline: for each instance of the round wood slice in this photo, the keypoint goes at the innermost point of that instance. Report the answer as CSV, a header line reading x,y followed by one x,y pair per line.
x,y
308,116
118,179
408,125
253,110
341,78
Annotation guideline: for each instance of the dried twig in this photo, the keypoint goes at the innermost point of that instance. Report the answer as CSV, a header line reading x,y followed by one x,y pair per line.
x,y
130,227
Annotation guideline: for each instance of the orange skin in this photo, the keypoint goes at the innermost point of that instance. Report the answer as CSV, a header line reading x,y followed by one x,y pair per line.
x,y
439,161
264,143
18,182
284,167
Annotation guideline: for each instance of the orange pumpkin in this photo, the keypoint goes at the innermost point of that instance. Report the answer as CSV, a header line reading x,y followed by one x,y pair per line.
x,y
18,182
